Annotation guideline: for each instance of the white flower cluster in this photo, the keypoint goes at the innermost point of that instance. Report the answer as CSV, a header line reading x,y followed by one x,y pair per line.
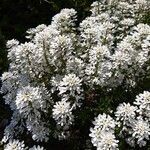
x,y
27,103
62,113
70,83
29,100
125,112
115,48
17,145
102,133
65,21
143,102
50,76
132,120
70,91
27,84
135,119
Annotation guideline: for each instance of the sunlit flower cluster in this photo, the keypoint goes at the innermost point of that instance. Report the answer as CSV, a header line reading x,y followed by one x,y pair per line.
x,y
135,122
62,113
143,102
15,144
102,133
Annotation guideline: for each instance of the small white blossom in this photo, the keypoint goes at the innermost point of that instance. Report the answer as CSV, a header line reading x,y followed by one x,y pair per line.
x,y
103,140
143,102
29,99
15,145
104,122
36,148
108,142
141,131
31,32
62,113
70,83
125,112
65,20
12,43
102,134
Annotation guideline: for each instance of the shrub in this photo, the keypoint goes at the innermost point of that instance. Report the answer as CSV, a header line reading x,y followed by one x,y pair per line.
x,y
66,74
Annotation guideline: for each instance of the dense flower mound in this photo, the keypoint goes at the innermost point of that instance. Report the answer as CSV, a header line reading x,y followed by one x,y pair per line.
x,y
65,74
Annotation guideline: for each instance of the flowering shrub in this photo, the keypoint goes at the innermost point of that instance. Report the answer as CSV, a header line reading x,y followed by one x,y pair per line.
x,y
67,74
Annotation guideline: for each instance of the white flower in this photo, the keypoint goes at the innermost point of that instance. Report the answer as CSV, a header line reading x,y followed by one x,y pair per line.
x,y
15,145
65,20
135,122
70,83
60,49
125,112
62,113
31,32
36,148
103,140
30,99
141,131
104,122
108,142
143,102
143,29
95,135
12,43
8,80
102,134
128,22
